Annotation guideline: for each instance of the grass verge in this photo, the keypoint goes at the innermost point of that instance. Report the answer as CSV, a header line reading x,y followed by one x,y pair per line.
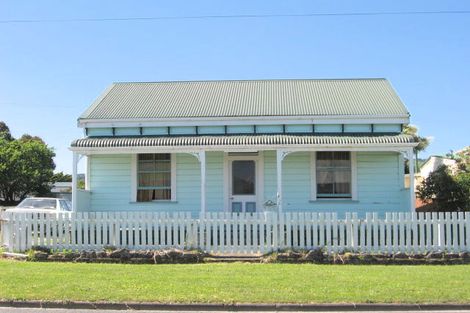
x,y
234,283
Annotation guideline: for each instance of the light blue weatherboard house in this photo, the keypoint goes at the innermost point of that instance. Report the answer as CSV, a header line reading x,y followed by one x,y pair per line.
x,y
321,145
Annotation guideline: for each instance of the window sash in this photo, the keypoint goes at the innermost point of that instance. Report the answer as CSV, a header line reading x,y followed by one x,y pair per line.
x,y
154,177
333,175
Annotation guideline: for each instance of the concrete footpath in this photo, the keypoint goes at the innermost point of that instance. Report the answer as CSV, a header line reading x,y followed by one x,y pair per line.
x,y
58,307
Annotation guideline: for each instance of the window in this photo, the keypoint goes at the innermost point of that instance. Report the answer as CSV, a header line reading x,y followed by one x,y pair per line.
x,y
154,177
243,177
333,175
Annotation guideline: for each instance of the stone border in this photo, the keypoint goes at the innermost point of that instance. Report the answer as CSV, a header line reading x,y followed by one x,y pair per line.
x,y
176,256
231,307
112,255
319,256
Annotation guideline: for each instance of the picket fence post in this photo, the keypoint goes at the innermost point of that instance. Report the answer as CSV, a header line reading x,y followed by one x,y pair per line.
x,y
239,233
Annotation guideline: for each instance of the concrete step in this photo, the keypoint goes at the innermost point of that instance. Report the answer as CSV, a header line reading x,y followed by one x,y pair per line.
x,y
232,259
240,256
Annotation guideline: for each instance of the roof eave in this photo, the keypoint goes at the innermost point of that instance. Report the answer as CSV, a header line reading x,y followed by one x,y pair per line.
x,y
230,120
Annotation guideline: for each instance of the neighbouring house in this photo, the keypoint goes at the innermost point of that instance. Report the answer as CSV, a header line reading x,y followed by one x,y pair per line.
x,y
61,187
430,165
62,190
323,145
434,162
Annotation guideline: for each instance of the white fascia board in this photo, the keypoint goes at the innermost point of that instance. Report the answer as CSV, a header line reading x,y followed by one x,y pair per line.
x,y
294,148
255,120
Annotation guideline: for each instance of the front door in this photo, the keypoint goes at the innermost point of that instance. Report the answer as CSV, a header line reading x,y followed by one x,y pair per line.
x,y
242,187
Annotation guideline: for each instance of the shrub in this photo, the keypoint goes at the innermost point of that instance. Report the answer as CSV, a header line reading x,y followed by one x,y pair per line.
x,y
447,192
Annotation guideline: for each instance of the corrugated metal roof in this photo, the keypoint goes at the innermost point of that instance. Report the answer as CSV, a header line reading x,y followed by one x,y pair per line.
x,y
314,97
239,140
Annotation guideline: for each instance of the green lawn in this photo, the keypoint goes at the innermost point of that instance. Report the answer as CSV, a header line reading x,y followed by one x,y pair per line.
x,y
241,283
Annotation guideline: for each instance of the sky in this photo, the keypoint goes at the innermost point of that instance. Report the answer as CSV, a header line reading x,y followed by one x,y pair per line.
x,y
50,72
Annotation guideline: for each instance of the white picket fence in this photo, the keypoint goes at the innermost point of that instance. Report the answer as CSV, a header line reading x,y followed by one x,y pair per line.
x,y
227,233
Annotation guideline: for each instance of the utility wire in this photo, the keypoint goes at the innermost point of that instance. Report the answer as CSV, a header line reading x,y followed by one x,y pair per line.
x,y
238,16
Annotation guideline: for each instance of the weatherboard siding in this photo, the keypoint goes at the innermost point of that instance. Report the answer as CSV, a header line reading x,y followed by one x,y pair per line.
x,y
110,184
214,181
380,184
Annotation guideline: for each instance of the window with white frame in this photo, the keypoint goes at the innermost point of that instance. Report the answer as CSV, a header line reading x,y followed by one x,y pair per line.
x,y
333,174
154,177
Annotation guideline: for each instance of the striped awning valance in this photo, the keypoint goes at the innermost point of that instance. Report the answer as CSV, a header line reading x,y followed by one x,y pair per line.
x,y
240,140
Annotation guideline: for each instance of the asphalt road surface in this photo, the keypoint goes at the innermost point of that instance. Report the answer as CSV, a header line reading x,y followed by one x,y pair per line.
x,y
24,310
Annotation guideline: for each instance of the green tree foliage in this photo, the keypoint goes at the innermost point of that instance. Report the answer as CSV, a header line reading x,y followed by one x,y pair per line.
x,y
5,132
463,159
27,137
61,177
463,179
26,167
423,142
81,184
447,192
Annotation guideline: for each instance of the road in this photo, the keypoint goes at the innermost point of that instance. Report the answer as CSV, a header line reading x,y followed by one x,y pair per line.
x,y
24,310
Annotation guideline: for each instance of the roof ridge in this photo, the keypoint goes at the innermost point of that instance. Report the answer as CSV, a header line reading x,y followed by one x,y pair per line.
x,y
249,80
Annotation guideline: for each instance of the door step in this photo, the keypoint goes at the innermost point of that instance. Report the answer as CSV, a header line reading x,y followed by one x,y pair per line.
x,y
233,258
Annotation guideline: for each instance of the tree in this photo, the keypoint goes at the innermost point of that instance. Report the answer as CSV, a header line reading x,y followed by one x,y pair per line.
x,y
27,137
447,192
26,167
61,177
423,142
463,159
5,132
81,184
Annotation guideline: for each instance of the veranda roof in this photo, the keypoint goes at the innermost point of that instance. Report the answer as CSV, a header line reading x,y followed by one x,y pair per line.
x,y
241,140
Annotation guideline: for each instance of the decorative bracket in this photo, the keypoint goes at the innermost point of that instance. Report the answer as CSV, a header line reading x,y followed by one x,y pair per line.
x,y
283,153
407,153
197,155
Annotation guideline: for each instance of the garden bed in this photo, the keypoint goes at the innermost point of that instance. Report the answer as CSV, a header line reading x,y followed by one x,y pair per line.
x,y
175,256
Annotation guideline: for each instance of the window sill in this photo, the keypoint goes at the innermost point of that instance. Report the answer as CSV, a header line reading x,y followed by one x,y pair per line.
x,y
153,202
333,200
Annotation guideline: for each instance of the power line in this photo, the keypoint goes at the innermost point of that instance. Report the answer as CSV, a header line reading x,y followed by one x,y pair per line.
x,y
238,16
